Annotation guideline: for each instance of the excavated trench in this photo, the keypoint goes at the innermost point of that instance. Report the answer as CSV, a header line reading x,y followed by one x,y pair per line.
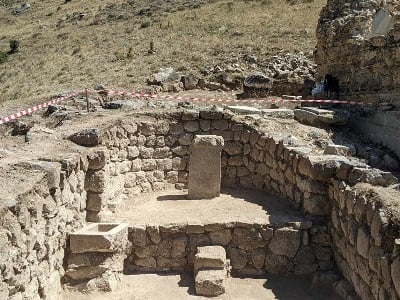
x,y
284,209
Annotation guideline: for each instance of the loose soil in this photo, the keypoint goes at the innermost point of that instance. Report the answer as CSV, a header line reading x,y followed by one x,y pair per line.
x,y
180,286
172,207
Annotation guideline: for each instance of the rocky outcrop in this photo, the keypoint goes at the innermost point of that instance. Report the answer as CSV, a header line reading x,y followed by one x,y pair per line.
x,y
358,42
284,73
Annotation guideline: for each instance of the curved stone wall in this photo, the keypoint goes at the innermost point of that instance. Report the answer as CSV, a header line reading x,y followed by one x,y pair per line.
x,y
358,225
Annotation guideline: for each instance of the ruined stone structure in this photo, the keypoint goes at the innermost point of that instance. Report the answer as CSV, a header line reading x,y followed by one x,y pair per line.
x,y
359,43
348,217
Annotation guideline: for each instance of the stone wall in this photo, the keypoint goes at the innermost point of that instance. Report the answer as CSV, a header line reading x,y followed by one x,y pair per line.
x,y
365,226
380,127
139,157
358,42
149,156
253,249
41,203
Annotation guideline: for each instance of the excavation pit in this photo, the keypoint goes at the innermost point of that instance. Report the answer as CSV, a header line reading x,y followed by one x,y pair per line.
x,y
285,209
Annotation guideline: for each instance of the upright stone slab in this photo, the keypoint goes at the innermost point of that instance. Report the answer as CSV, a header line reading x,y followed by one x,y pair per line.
x,y
205,167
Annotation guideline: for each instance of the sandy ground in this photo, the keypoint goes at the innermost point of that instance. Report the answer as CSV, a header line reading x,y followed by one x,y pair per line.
x,y
180,286
168,207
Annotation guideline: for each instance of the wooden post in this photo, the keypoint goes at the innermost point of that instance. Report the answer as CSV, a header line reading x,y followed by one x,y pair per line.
x,y
87,100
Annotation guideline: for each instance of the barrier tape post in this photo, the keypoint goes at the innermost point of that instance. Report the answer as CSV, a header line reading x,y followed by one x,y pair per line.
x,y
87,100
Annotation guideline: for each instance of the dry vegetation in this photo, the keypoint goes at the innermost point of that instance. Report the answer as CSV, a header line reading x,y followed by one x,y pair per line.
x,y
74,44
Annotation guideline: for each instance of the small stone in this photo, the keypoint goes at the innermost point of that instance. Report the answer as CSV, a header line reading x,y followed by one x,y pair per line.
x,y
210,283
210,257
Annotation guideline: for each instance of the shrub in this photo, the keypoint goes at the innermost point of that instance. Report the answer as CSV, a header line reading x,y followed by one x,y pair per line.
x,y
14,46
145,23
119,56
3,57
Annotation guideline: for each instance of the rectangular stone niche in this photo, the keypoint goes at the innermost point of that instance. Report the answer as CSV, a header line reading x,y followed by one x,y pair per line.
x,y
100,237
96,256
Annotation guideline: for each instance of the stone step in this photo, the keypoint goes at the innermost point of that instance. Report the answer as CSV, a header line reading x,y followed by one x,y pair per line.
x,y
210,283
210,258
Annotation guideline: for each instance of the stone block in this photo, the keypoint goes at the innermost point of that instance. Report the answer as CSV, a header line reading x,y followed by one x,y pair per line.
x,y
154,233
220,124
162,152
233,147
205,167
281,113
247,238
133,152
332,149
147,251
96,181
210,283
85,273
176,128
107,261
171,263
210,257
98,158
95,202
244,110
190,115
278,264
220,237
238,258
395,273
146,262
257,258
211,114
318,205
286,241
178,248
191,126
87,137
195,228
363,242
100,237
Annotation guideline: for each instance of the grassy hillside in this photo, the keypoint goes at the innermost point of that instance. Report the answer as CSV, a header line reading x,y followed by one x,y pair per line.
x,y
65,45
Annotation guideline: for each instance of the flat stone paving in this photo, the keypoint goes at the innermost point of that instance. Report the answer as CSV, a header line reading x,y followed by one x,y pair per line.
x,y
180,287
172,207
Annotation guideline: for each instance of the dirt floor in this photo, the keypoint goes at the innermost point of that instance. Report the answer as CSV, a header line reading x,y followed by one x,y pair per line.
x,y
180,286
168,207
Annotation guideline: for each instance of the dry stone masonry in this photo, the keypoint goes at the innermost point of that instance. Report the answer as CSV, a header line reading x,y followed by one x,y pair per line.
x,y
358,42
41,203
350,215
253,249
97,254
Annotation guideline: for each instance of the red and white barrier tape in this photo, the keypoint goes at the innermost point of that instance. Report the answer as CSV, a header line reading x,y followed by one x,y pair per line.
x,y
111,93
32,109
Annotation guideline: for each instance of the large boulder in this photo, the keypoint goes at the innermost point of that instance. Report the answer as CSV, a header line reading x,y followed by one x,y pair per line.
x,y
88,137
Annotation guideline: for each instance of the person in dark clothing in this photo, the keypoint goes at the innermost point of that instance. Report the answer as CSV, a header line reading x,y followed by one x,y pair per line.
x,y
331,85
308,86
